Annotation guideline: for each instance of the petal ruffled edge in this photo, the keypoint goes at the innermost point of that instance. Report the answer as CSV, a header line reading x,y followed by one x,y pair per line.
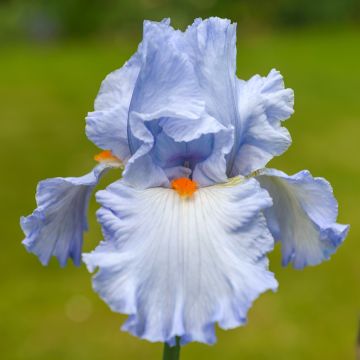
x,y
263,103
179,266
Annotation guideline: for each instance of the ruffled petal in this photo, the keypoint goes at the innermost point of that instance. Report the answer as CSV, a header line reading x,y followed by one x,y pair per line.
x,y
184,84
263,103
303,216
165,84
211,47
178,266
56,226
254,108
169,101
107,125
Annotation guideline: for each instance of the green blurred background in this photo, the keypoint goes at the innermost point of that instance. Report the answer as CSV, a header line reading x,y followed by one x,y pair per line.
x,y
53,56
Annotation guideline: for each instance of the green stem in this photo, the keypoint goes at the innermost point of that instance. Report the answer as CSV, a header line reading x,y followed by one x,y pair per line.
x,y
172,353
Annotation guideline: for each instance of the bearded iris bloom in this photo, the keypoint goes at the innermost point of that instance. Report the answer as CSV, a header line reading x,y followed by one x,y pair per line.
x,y
188,226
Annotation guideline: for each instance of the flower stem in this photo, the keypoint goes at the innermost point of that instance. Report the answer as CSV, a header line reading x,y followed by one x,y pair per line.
x,y
172,353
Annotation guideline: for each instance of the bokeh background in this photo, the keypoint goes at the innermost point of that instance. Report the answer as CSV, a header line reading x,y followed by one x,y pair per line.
x,y
53,56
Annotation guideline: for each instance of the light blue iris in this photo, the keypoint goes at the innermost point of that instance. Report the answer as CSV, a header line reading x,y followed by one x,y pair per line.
x,y
178,266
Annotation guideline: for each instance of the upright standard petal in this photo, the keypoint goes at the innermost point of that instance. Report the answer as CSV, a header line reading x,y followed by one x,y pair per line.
x,y
211,48
303,216
263,103
56,226
254,108
168,99
107,125
179,265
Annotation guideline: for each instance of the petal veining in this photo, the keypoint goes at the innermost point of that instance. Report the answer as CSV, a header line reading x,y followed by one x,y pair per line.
x,y
303,216
179,265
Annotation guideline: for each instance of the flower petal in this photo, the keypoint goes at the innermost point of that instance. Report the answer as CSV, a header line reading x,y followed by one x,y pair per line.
x,y
107,125
211,47
303,217
184,84
213,168
263,103
167,98
56,226
253,108
204,156
177,266
166,82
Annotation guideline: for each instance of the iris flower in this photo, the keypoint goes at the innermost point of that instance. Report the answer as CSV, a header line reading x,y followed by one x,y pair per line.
x,y
188,225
